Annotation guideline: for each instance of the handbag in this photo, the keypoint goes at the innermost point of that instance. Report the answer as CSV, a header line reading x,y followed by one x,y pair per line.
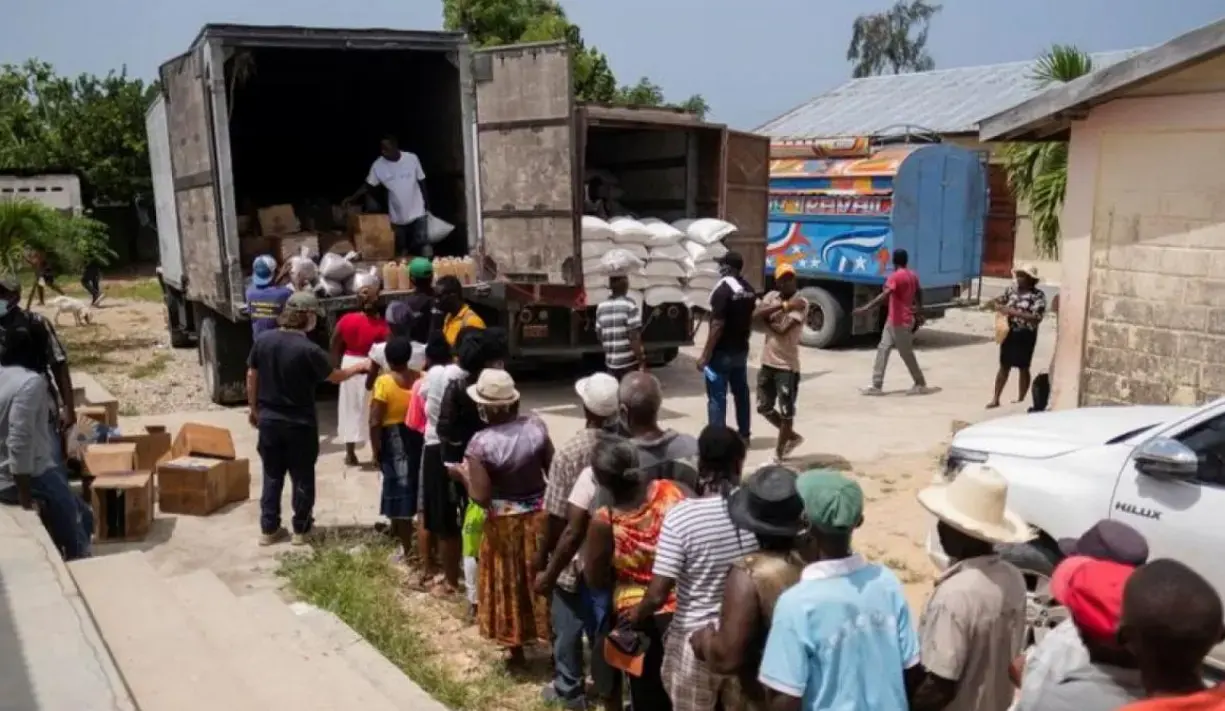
x,y
626,650
1001,328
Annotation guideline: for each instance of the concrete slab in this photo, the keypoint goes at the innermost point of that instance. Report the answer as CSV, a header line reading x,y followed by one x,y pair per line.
x,y
330,631
166,660
269,651
53,657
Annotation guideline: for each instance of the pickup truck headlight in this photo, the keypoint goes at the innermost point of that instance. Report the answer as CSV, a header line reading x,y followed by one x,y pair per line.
x,y
956,457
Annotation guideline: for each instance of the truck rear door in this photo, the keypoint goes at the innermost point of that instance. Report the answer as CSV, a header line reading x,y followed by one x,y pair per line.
x,y
746,199
186,88
528,224
169,246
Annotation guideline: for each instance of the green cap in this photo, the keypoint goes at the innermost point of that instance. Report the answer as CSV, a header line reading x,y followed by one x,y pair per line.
x,y
420,268
303,302
832,502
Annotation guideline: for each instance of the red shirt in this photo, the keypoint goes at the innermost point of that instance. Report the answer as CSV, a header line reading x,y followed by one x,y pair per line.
x,y
1208,700
903,285
359,331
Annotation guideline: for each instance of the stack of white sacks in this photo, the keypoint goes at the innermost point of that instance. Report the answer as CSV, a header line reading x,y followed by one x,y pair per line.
x,y
666,263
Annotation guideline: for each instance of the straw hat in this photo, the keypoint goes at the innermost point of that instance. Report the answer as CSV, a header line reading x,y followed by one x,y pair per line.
x,y
494,387
1030,270
973,503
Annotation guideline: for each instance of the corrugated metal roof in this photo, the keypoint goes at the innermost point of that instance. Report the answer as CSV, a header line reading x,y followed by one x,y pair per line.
x,y
944,101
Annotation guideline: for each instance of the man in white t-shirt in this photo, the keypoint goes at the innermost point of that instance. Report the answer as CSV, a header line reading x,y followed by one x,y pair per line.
x,y
400,172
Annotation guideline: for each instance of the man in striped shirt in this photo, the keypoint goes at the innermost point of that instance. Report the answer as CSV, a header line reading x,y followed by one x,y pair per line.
x,y
618,323
697,546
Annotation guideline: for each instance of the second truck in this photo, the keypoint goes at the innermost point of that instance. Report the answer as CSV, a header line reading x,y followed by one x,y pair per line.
x,y
505,148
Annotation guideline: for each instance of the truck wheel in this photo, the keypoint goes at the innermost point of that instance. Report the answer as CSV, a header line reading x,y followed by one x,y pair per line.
x,y
827,324
222,359
1036,560
658,359
180,337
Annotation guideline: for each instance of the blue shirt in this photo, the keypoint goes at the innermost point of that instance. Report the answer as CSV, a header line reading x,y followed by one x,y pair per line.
x,y
840,639
264,304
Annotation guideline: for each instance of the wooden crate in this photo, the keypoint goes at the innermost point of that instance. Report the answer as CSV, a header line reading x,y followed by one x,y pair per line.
x,y
195,486
123,506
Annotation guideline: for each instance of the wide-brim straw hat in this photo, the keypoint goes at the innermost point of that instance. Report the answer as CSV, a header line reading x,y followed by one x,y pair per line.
x,y
1029,270
974,503
494,387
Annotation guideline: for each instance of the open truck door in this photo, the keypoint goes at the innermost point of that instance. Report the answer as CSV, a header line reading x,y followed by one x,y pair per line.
x,y
746,199
528,226
193,87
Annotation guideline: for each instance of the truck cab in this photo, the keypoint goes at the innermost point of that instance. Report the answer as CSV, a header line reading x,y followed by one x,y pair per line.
x,y
838,209
253,116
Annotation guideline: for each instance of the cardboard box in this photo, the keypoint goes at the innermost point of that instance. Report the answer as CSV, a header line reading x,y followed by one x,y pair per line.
x,y
278,220
100,459
251,247
152,447
107,414
202,473
286,246
373,236
335,242
191,485
123,506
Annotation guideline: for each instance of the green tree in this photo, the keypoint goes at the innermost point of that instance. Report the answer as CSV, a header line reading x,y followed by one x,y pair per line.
x,y
893,41
1038,172
490,23
94,126
69,241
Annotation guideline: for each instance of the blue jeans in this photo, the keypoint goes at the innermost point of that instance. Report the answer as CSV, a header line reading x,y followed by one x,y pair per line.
x,y
728,370
292,449
69,522
573,615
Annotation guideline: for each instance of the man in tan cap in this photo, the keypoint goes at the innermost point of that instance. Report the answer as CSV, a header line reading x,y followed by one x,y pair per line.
x,y
974,624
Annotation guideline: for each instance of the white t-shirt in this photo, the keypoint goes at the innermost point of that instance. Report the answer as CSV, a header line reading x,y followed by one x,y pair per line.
x,y
437,379
402,178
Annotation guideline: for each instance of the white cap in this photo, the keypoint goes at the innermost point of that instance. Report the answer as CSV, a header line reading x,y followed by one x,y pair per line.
x,y
599,394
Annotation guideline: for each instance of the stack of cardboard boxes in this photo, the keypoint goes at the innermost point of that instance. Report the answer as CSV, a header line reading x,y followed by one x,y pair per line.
x,y
195,474
276,230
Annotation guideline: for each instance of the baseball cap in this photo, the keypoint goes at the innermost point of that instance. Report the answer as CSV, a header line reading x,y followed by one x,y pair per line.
x,y
263,270
303,302
1092,591
420,268
783,270
1108,540
599,393
832,502
732,259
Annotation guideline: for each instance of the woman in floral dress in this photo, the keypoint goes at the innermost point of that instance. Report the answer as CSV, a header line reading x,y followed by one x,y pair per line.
x,y
1024,305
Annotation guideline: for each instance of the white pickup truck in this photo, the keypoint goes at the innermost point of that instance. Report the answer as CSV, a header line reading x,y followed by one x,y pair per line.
x,y
1159,469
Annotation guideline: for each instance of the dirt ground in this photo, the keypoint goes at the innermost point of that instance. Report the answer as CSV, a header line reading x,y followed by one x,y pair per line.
x,y
891,444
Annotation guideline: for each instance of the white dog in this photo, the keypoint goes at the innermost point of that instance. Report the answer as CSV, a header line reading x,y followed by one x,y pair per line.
x,y
81,312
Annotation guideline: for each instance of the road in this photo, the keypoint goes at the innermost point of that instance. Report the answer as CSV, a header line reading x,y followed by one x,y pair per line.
x,y
890,443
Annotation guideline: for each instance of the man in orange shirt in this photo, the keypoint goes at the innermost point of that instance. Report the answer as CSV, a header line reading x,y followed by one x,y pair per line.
x,y
1172,618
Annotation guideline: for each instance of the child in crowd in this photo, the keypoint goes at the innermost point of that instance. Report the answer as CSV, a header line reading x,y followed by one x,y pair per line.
x,y
396,451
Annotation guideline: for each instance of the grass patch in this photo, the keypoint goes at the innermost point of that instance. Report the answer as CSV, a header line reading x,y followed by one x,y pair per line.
x,y
97,348
351,578
154,366
128,287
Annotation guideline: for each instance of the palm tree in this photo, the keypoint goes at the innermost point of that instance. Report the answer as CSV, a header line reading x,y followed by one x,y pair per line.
x,y
69,241
1038,172
881,42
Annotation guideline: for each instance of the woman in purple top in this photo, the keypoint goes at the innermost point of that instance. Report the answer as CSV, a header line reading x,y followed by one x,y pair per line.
x,y
504,469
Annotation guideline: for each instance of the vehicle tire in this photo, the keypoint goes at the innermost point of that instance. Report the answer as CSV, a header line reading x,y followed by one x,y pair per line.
x,y
179,336
658,359
210,361
827,324
1036,561
222,350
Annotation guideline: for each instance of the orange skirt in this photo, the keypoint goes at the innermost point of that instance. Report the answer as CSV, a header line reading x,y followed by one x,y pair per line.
x,y
509,613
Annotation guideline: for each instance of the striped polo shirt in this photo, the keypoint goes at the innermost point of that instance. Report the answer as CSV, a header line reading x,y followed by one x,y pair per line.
x,y
614,320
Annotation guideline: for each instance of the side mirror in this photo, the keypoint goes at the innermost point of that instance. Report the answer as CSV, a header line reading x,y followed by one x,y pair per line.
x,y
1166,458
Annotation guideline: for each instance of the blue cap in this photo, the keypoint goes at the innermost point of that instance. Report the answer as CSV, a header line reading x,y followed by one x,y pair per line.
x,y
263,270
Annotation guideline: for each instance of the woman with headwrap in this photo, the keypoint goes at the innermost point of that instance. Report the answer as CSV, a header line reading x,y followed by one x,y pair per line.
x,y
504,470
352,339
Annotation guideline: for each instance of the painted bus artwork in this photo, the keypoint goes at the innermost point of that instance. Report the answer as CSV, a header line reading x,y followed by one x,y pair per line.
x,y
839,207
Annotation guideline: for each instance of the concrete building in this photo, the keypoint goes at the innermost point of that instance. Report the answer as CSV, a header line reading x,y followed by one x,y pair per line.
x,y
1142,318
948,103
61,190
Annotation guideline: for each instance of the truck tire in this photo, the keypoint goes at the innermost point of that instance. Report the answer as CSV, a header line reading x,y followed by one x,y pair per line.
x,y
1036,560
658,359
223,353
827,324
180,337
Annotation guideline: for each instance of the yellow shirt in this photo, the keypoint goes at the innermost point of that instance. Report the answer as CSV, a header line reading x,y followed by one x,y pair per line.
x,y
394,397
452,325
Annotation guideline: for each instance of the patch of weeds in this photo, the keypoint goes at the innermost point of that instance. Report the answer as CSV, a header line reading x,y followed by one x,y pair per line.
x,y
146,289
350,577
154,366
903,571
127,409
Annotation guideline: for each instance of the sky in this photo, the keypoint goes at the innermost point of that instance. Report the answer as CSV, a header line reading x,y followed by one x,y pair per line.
x,y
752,61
